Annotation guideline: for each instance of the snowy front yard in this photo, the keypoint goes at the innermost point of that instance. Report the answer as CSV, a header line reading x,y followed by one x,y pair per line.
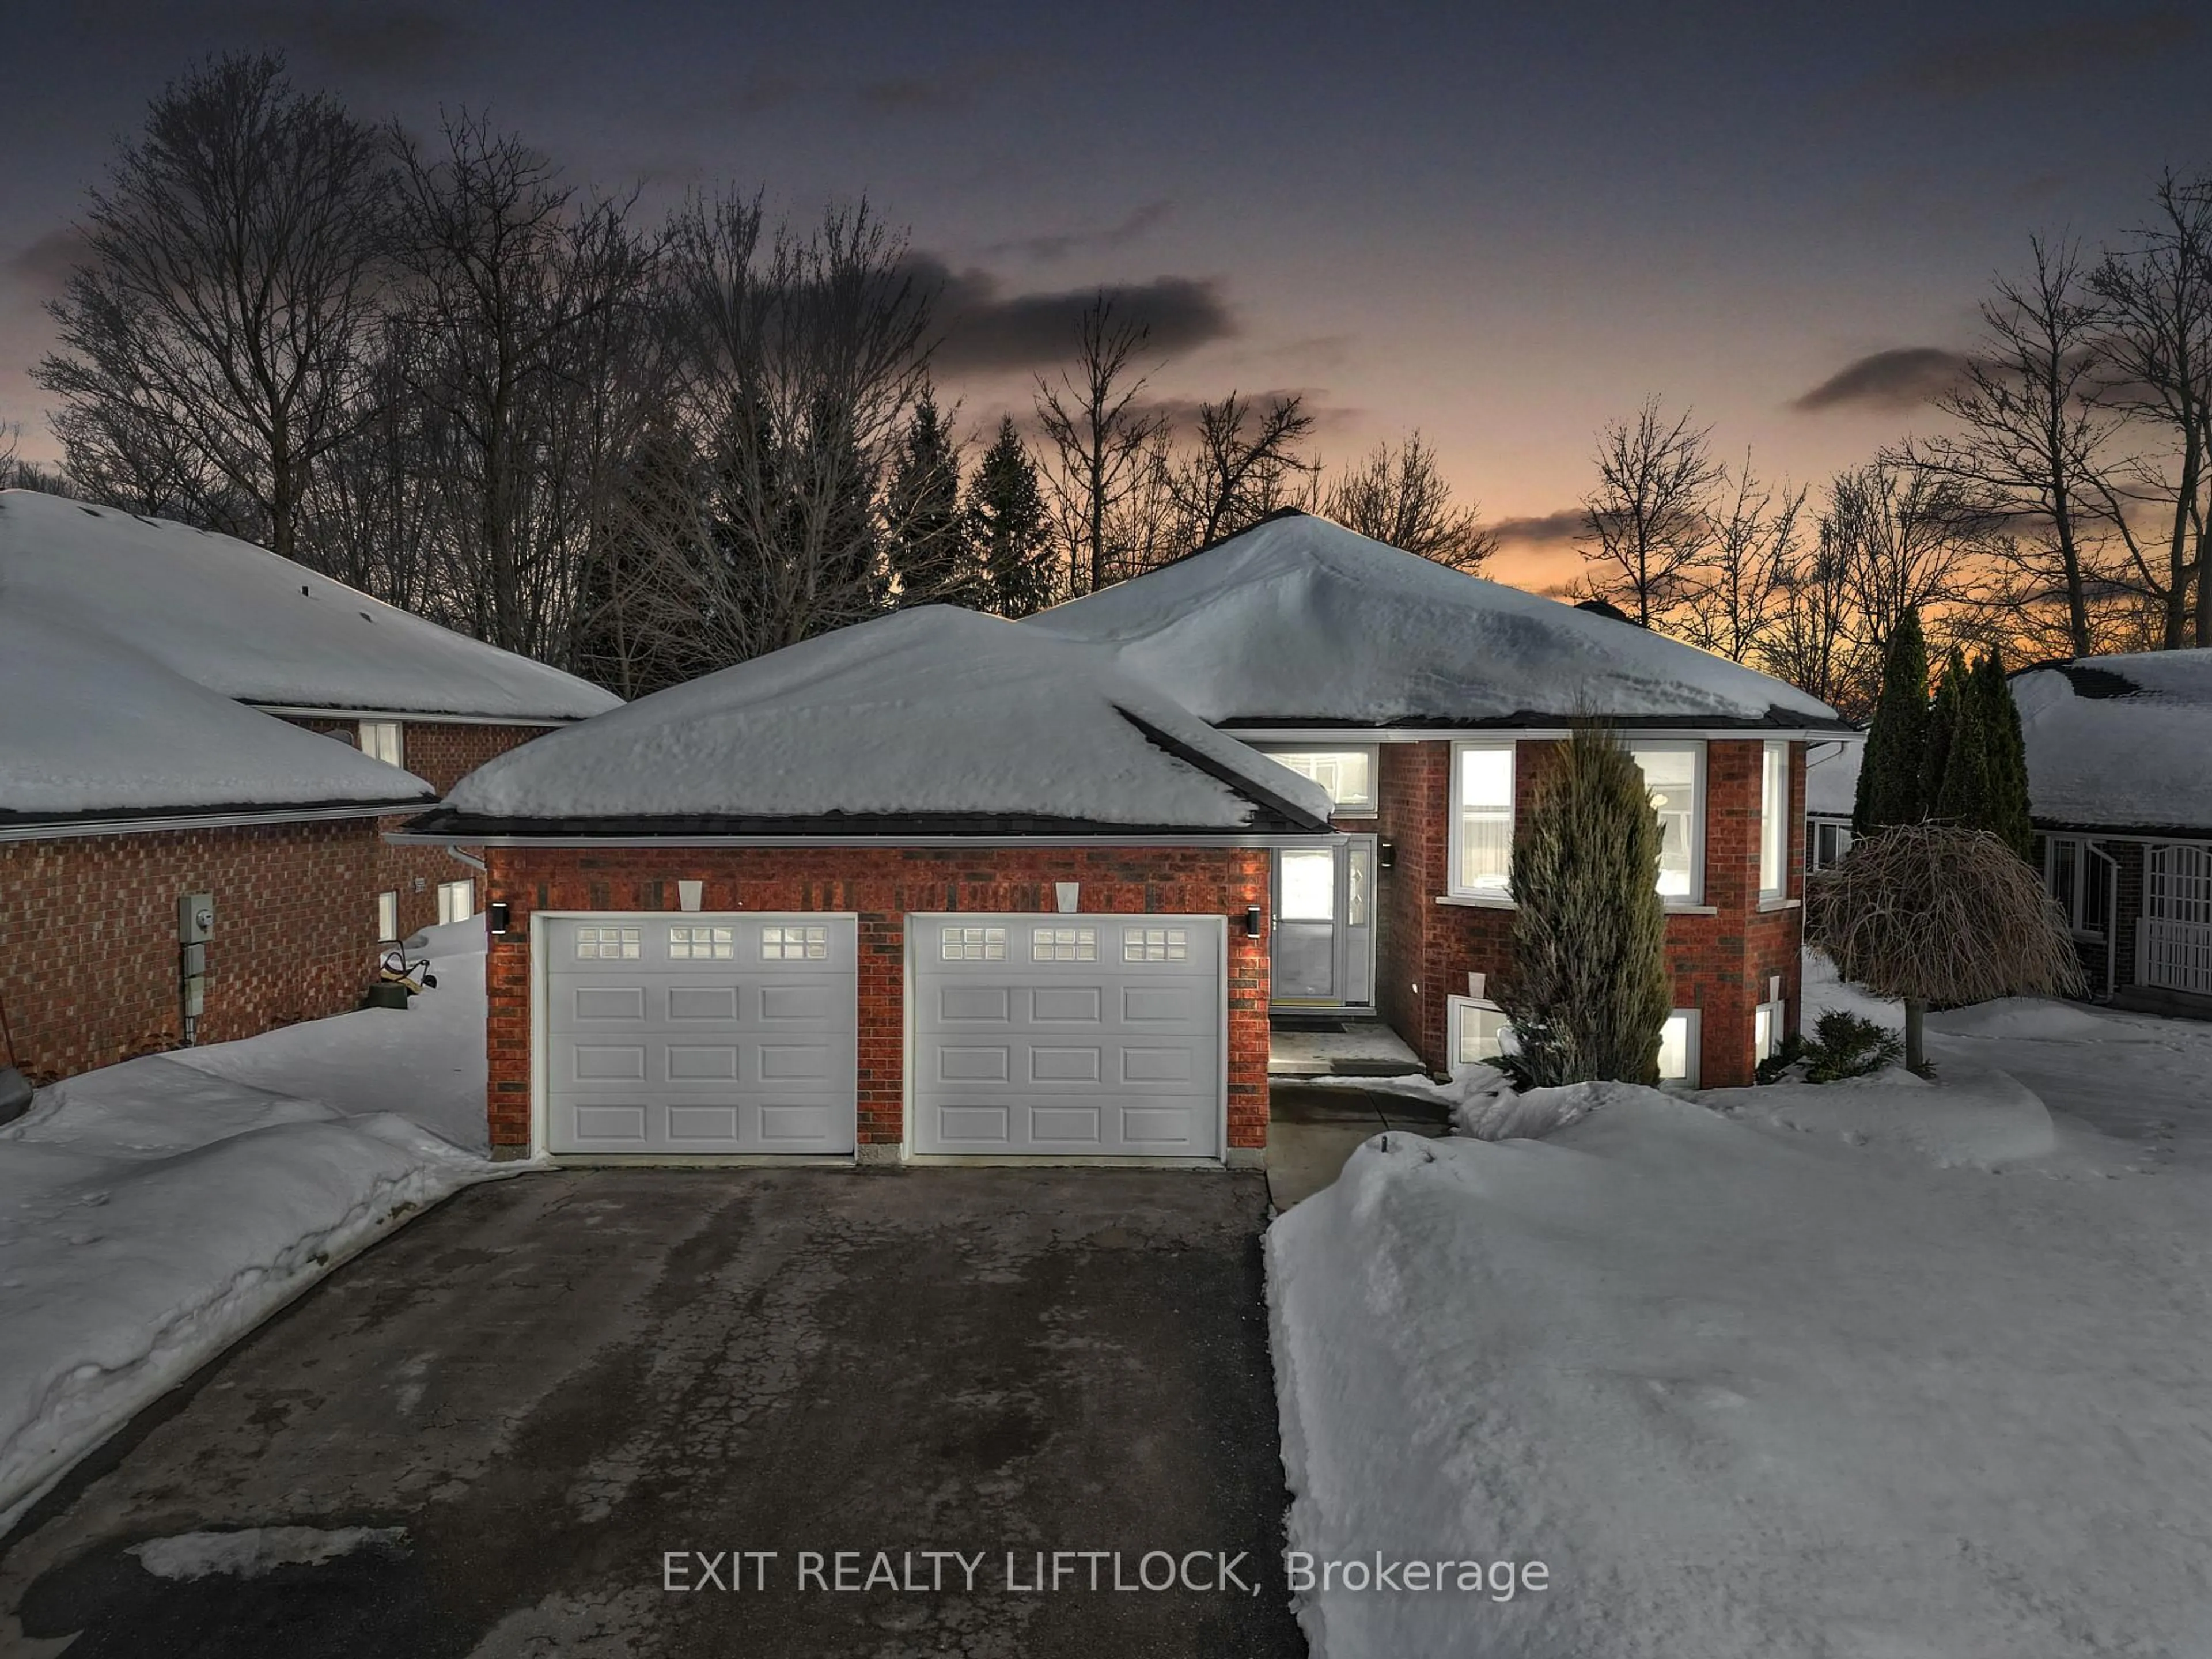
x,y
153,1211
1872,1369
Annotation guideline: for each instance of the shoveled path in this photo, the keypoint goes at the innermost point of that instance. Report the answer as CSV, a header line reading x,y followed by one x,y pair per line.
x,y
551,1381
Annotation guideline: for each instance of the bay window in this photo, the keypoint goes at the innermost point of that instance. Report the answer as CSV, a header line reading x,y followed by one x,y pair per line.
x,y
1674,773
1482,818
1773,819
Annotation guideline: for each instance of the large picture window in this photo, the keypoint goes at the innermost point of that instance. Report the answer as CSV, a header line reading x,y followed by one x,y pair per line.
x,y
1674,773
1773,819
1482,818
1348,774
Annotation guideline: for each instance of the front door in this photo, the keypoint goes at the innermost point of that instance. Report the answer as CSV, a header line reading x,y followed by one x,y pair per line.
x,y
1322,946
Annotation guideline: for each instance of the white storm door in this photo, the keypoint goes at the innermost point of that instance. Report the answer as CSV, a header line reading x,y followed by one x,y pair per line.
x,y
1303,944
1075,1035
700,1033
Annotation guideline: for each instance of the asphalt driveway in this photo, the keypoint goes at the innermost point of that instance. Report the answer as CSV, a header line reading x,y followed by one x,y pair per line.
x,y
535,1395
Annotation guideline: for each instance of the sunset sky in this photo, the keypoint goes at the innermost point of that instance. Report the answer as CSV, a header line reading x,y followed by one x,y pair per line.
x,y
1501,225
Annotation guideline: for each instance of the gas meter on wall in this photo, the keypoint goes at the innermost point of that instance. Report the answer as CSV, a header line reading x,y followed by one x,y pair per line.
x,y
195,927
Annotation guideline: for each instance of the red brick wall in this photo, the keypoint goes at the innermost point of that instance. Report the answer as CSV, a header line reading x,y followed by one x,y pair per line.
x,y
882,885
441,754
89,966
1720,963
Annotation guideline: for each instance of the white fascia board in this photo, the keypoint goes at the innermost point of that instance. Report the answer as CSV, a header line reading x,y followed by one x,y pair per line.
x,y
292,711
408,837
1349,737
80,828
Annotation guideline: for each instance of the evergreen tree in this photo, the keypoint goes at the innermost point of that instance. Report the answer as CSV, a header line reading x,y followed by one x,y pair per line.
x,y
1589,991
1942,725
2008,814
925,537
1008,532
1966,794
1890,787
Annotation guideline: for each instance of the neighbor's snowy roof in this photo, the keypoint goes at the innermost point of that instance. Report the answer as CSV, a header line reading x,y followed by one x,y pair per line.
x,y
1300,622
1832,777
88,726
2120,742
238,620
932,714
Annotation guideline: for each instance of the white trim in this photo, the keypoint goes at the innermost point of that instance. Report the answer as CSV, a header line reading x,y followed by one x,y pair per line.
x,y
2077,833
1346,736
538,1038
1479,901
1456,1008
1768,906
1774,819
1455,808
293,711
1693,1048
1199,839
78,829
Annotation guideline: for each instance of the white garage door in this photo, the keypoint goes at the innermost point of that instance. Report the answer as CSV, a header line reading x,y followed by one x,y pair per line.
x,y
702,1033
1079,1035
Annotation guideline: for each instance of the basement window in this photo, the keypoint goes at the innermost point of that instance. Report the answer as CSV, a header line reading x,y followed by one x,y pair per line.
x,y
1677,1048
1768,1023
1479,1030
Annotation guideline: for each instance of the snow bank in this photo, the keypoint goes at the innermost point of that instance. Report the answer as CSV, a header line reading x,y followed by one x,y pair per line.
x,y
1972,1116
87,725
1302,622
256,1552
934,710
245,624
1746,1392
152,1213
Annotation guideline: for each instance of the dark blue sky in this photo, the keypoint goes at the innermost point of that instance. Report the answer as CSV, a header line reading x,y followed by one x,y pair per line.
x,y
1502,225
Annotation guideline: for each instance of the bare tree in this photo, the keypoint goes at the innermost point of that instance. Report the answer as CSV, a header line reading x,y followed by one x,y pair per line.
x,y
1400,496
1811,641
210,340
1244,463
1102,442
1649,520
2027,457
1905,539
527,357
1745,576
802,356
2156,344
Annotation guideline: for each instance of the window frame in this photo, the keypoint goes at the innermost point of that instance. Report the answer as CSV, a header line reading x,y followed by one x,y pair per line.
x,y
1776,1015
1774,820
2075,902
1696,748
373,748
387,904
445,888
1355,806
1456,823
1456,1009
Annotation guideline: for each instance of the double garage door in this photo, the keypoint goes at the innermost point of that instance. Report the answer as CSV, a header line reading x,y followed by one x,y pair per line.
x,y
1070,1035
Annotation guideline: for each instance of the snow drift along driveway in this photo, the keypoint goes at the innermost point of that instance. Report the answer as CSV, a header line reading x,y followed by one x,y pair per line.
x,y
1754,1390
152,1213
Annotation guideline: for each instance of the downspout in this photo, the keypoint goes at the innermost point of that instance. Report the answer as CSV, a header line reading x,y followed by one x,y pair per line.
x,y
469,859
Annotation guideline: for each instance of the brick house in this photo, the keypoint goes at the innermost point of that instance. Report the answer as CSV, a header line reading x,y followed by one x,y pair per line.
x,y
232,653
953,850
2121,796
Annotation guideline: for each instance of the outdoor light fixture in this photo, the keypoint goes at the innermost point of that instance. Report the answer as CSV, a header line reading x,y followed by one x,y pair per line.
x,y
1252,921
1386,855
496,915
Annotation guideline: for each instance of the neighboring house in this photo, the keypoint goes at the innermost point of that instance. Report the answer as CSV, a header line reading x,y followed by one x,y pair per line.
x,y
2120,769
246,652
942,883
1832,787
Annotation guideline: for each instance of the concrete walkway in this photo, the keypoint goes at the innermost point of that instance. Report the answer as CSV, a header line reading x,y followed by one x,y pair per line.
x,y
1312,1130
531,1396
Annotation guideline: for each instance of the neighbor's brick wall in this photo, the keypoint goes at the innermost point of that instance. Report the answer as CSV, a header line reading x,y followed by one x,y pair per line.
x,y
1720,963
883,886
89,966
441,754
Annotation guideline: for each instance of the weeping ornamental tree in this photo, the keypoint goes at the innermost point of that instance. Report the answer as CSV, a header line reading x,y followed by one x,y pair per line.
x,y
1941,913
1588,993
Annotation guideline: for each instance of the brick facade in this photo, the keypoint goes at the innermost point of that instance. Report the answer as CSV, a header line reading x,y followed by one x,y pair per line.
x,y
441,753
89,963
1721,963
883,886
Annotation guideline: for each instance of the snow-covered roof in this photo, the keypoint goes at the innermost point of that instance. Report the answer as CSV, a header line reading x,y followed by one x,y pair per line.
x,y
2120,742
1832,777
932,715
239,620
91,728
1300,622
